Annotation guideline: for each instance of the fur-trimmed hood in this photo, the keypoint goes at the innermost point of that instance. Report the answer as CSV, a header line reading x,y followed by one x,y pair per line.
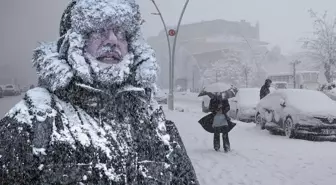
x,y
59,63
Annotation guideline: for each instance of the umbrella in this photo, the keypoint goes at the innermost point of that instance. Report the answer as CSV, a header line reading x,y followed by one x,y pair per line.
x,y
226,90
218,87
206,123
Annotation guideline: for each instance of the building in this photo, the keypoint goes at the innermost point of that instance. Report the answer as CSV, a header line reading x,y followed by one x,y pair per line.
x,y
201,43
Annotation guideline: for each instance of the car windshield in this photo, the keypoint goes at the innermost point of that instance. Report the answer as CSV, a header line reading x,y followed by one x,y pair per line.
x,y
9,86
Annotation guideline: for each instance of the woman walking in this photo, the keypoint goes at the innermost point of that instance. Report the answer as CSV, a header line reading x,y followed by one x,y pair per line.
x,y
219,107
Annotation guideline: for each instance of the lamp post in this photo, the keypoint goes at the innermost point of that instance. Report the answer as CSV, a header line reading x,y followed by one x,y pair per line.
x,y
171,50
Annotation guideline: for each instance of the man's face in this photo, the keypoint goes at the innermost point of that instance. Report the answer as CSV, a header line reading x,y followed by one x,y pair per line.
x,y
108,46
268,83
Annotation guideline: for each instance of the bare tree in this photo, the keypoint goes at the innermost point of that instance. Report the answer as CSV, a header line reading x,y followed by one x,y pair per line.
x,y
247,73
322,44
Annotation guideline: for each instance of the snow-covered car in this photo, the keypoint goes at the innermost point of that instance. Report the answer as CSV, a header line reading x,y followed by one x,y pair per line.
x,y
161,97
11,90
243,106
298,111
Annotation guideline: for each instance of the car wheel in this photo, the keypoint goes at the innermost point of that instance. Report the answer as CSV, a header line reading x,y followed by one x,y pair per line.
x,y
289,128
259,121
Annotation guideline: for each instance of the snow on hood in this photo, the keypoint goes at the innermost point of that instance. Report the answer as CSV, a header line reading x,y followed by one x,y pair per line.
x,y
58,64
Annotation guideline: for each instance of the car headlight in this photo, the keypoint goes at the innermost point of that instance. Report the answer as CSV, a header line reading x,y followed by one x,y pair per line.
x,y
307,120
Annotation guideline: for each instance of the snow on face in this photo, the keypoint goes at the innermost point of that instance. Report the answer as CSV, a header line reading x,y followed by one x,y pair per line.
x,y
110,74
107,45
98,28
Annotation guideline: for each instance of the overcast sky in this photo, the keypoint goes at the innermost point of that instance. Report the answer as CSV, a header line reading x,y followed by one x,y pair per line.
x,y
282,22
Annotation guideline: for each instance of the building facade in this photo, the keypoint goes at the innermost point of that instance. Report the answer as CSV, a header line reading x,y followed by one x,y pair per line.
x,y
200,44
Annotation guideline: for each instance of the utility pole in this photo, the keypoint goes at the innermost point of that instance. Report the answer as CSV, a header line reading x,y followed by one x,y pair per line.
x,y
171,50
295,63
193,79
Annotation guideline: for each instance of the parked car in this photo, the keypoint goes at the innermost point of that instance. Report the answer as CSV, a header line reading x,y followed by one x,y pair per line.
x,y
298,112
243,106
161,97
1,92
11,90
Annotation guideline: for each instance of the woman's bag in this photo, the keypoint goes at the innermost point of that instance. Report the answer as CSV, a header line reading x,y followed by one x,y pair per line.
x,y
219,120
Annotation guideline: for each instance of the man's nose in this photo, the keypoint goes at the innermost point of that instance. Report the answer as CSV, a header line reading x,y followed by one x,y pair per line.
x,y
111,38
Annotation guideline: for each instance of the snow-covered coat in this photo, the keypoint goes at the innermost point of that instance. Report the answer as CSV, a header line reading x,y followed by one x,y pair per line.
x,y
84,125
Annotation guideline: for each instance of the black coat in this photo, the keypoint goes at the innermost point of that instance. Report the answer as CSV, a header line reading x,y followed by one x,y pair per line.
x,y
47,140
264,91
215,103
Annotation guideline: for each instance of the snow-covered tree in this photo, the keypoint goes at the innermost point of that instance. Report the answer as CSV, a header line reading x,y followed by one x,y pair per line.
x,y
228,69
322,44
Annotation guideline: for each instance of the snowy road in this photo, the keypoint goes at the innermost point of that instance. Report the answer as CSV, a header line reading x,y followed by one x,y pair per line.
x,y
257,158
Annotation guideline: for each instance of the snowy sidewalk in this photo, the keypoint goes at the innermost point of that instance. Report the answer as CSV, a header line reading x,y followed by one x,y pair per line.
x,y
256,157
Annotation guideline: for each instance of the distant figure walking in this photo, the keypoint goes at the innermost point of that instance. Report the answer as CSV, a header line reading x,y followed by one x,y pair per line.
x,y
264,91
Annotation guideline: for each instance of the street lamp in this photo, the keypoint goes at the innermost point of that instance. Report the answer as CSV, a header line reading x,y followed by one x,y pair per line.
x,y
171,51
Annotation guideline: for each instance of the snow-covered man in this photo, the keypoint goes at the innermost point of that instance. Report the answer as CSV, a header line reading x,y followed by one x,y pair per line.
x,y
93,119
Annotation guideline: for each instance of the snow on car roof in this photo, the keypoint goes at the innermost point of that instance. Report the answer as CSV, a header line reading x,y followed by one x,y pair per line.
x,y
309,101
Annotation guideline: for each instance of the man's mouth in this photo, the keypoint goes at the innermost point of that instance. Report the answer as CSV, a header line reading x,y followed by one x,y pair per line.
x,y
113,57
